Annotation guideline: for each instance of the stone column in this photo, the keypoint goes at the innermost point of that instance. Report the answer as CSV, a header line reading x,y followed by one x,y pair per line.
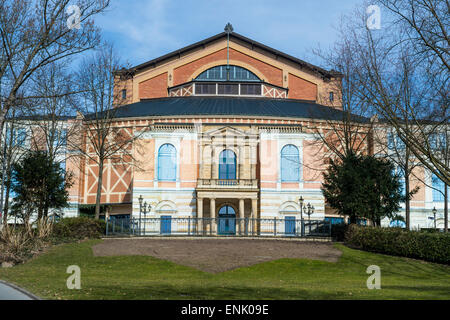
x,y
253,160
214,174
212,214
200,215
254,214
241,215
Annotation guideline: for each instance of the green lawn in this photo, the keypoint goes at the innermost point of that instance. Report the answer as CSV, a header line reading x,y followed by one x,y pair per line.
x,y
140,277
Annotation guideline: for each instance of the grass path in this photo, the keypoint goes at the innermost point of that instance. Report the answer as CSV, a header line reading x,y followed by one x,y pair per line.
x,y
140,277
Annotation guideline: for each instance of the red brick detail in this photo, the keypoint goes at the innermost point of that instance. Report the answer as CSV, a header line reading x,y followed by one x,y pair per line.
x,y
301,89
182,74
154,88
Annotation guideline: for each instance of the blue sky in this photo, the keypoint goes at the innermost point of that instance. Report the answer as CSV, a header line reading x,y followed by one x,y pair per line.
x,y
145,29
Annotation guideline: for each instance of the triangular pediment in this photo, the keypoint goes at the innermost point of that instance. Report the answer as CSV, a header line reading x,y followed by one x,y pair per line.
x,y
235,39
226,131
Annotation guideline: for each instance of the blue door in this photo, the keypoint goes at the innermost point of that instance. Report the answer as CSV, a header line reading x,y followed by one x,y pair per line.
x,y
166,224
227,221
289,226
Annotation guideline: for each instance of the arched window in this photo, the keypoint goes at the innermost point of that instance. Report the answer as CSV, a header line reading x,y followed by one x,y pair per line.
x,y
290,164
227,165
167,163
438,195
227,210
219,73
401,175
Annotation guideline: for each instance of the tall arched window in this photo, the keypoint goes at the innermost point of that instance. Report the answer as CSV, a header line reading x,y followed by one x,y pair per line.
x,y
227,165
167,162
438,188
290,164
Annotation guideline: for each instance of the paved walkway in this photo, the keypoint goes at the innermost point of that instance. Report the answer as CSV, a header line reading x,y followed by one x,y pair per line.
x,y
11,292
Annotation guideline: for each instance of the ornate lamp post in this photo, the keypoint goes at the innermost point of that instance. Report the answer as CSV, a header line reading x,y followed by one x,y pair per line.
x,y
300,202
309,211
145,214
434,216
140,211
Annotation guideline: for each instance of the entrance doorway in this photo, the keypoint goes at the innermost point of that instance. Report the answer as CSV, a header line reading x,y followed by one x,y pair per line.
x,y
166,224
227,220
289,226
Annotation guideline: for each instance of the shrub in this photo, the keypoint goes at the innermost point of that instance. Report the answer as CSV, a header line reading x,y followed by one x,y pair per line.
x,y
18,244
338,231
78,228
434,247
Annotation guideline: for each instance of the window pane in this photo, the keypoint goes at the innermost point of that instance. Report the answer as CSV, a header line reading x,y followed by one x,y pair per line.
x,y
205,88
228,89
21,136
219,73
290,164
167,166
250,89
438,195
227,165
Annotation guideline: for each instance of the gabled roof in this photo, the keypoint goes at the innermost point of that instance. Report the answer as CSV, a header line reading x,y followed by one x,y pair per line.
x,y
233,35
229,106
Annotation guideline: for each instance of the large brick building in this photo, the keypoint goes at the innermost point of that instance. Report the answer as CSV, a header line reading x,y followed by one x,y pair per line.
x,y
230,130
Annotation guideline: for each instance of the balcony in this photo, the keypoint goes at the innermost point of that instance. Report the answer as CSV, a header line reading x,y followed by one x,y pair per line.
x,y
234,184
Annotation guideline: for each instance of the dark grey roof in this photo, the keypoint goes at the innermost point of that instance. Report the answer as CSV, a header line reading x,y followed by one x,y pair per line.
x,y
229,106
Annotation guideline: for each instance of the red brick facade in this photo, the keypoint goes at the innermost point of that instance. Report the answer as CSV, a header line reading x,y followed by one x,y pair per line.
x,y
154,88
274,75
301,89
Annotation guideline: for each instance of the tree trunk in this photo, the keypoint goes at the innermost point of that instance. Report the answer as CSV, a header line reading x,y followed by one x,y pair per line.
x,y
7,192
407,202
445,208
99,189
407,172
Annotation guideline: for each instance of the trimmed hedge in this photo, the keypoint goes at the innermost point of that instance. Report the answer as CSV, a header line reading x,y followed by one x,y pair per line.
x,y
78,228
434,247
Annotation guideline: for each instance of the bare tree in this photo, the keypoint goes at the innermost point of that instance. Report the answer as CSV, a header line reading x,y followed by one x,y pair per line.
x,y
389,146
49,114
401,76
15,144
426,25
347,129
34,34
101,137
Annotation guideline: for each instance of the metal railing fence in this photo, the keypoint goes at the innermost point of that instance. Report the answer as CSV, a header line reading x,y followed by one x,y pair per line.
x,y
191,226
